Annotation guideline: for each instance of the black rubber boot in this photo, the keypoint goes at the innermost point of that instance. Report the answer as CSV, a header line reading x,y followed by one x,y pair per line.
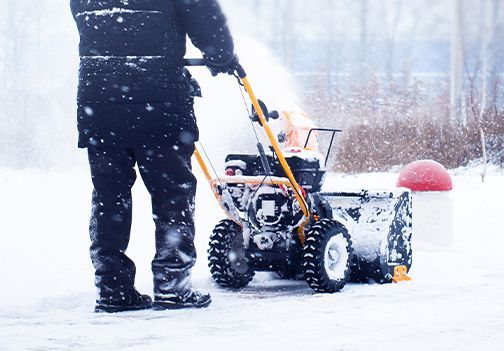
x,y
189,299
128,301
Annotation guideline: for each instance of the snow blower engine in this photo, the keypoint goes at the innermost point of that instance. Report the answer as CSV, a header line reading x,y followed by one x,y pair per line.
x,y
280,220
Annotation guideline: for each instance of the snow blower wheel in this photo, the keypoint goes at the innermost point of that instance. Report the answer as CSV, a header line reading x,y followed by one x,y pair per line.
x,y
226,256
327,256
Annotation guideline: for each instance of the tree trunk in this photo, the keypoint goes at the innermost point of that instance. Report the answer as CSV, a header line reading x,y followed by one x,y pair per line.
x,y
457,63
330,50
484,151
392,39
287,34
363,19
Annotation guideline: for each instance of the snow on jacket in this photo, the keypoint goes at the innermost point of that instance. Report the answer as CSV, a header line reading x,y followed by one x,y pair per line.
x,y
133,87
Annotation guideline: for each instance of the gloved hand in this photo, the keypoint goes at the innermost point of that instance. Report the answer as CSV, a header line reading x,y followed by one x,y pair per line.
x,y
227,68
195,88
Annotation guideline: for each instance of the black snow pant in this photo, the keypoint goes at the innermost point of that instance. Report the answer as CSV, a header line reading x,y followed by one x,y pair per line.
x,y
166,172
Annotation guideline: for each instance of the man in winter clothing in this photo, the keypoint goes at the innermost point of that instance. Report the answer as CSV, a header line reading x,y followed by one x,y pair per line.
x,y
135,106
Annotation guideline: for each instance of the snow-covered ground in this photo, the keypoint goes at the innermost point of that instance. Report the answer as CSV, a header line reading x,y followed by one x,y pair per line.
x,y
454,302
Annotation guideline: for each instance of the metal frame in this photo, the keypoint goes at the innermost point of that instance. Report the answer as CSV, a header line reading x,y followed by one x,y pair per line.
x,y
334,131
289,181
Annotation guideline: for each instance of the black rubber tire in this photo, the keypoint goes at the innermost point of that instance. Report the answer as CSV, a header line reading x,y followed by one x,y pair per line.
x,y
224,273
317,239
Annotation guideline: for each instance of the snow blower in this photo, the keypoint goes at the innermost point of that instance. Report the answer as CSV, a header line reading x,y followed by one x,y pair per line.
x,y
279,220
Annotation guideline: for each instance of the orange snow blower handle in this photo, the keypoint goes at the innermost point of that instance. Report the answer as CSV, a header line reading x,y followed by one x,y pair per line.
x,y
271,136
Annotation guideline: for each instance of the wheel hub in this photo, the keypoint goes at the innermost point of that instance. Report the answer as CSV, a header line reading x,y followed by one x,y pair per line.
x,y
336,257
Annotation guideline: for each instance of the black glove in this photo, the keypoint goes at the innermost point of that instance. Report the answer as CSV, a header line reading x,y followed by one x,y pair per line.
x,y
194,87
229,67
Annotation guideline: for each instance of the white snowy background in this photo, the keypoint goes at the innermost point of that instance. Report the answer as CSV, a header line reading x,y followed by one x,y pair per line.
x,y
454,302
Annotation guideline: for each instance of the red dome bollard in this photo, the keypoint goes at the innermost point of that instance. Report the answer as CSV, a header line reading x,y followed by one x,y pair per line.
x,y
432,203
426,175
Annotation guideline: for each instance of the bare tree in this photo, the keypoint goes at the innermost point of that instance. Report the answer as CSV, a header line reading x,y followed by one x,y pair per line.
x,y
478,95
392,17
22,26
363,24
330,5
495,54
20,36
288,33
457,65
391,33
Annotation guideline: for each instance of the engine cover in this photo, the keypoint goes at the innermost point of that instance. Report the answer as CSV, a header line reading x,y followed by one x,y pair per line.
x,y
269,207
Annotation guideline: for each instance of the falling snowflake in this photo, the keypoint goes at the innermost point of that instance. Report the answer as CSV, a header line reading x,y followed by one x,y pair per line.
x,y
89,111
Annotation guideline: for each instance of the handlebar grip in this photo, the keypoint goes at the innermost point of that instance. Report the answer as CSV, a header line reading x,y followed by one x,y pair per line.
x,y
273,115
201,62
194,62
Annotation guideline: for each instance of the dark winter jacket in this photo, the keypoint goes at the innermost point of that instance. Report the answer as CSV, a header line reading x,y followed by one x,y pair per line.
x,y
133,87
